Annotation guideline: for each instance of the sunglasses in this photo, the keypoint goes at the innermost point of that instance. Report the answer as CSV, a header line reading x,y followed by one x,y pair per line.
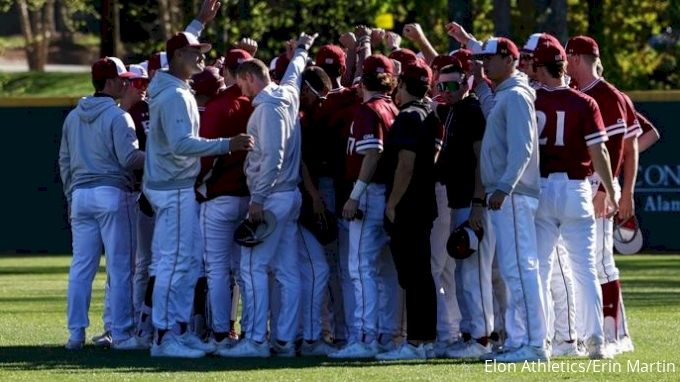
x,y
526,56
451,86
139,83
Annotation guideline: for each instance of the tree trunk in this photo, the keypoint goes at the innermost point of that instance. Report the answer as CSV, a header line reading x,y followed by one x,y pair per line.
x,y
459,11
36,34
501,17
557,22
108,41
50,21
165,19
68,29
116,28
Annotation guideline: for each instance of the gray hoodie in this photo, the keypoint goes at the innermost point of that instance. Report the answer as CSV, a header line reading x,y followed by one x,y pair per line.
x,y
174,148
509,155
98,147
274,163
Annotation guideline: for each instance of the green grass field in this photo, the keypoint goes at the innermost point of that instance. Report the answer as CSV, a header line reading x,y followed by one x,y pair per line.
x,y
33,332
48,84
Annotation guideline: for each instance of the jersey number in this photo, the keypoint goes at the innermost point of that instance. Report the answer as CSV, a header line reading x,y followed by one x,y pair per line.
x,y
559,132
350,145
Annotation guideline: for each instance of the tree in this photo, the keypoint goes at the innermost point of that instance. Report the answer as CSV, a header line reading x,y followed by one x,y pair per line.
x,y
35,26
501,17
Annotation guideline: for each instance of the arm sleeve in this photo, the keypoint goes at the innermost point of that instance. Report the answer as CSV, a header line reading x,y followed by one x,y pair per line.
x,y
485,95
292,79
520,134
367,131
270,133
633,128
176,123
195,27
405,131
593,126
65,162
125,143
476,122
474,45
645,124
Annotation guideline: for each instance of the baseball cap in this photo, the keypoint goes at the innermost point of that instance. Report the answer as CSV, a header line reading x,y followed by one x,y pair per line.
x,y
279,65
582,45
182,40
463,242
404,56
158,61
207,82
628,239
138,71
549,52
444,60
331,55
236,57
109,67
417,70
377,64
536,39
249,234
464,56
500,45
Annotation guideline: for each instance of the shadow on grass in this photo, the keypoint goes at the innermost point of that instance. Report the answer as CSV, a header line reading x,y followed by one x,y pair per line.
x,y
28,358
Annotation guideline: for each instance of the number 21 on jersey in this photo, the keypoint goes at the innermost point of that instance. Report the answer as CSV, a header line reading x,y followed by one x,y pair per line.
x,y
542,120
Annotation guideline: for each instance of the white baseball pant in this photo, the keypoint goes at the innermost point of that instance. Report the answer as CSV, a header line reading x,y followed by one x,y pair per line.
x,y
391,312
606,267
476,285
348,295
561,322
458,217
370,266
101,216
177,245
106,311
566,210
443,270
280,250
219,219
519,267
500,298
314,274
144,263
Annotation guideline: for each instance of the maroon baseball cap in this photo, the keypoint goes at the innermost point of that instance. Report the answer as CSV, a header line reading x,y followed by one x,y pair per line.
x,y
464,56
331,55
582,45
549,52
158,61
404,56
280,65
236,57
500,45
208,82
182,40
108,68
377,64
417,70
536,39
444,60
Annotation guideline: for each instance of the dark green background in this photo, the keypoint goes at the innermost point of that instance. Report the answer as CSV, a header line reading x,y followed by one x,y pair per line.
x,y
34,207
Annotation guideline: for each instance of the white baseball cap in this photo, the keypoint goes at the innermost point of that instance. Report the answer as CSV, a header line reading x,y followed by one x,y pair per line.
x,y
628,238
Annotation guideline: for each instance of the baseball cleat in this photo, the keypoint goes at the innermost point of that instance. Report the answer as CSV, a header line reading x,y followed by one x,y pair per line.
x,y
246,349
75,344
358,350
626,345
132,343
404,352
473,350
598,350
172,347
283,351
316,349
524,353
192,341
103,340
566,349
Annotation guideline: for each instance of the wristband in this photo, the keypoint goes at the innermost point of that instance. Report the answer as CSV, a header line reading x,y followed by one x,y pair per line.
x,y
358,190
364,39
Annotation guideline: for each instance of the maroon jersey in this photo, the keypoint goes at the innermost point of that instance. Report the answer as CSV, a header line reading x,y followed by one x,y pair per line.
x,y
613,110
645,124
568,122
633,129
373,120
140,116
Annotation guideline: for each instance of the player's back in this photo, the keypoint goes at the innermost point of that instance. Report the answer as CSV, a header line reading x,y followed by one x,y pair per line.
x,y
568,122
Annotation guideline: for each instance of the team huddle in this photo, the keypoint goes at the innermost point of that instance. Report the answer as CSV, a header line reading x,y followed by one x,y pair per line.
x,y
356,204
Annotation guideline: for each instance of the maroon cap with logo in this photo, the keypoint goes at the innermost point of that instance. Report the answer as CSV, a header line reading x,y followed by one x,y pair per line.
x,y
549,52
500,45
464,56
444,60
108,68
583,45
208,82
236,57
417,70
331,55
182,40
404,56
377,64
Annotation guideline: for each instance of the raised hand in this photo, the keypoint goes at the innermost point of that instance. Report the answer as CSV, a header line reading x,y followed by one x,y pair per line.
x,y
456,31
413,32
392,40
307,40
348,40
208,11
247,44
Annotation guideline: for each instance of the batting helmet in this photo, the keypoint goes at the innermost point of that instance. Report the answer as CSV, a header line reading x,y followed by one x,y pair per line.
x,y
463,242
325,230
249,234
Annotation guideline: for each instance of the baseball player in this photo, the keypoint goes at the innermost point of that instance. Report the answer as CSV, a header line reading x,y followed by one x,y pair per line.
x,y
367,235
223,196
572,136
97,155
583,54
273,174
510,173
169,177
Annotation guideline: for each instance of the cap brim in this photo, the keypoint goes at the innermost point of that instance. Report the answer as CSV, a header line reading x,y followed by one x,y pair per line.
x,y
127,75
205,47
632,247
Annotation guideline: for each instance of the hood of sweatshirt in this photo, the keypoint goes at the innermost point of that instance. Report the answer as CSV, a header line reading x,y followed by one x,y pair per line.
x,y
520,82
275,94
90,108
161,82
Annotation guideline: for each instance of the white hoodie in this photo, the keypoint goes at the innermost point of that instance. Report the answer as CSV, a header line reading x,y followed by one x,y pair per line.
x,y
98,146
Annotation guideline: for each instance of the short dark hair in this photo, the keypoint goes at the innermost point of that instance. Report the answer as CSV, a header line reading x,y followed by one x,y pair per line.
x,y
254,67
555,69
379,82
333,71
415,87
450,69
99,85
317,79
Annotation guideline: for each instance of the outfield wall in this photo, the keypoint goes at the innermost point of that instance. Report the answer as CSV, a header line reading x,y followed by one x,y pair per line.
x,y
34,207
